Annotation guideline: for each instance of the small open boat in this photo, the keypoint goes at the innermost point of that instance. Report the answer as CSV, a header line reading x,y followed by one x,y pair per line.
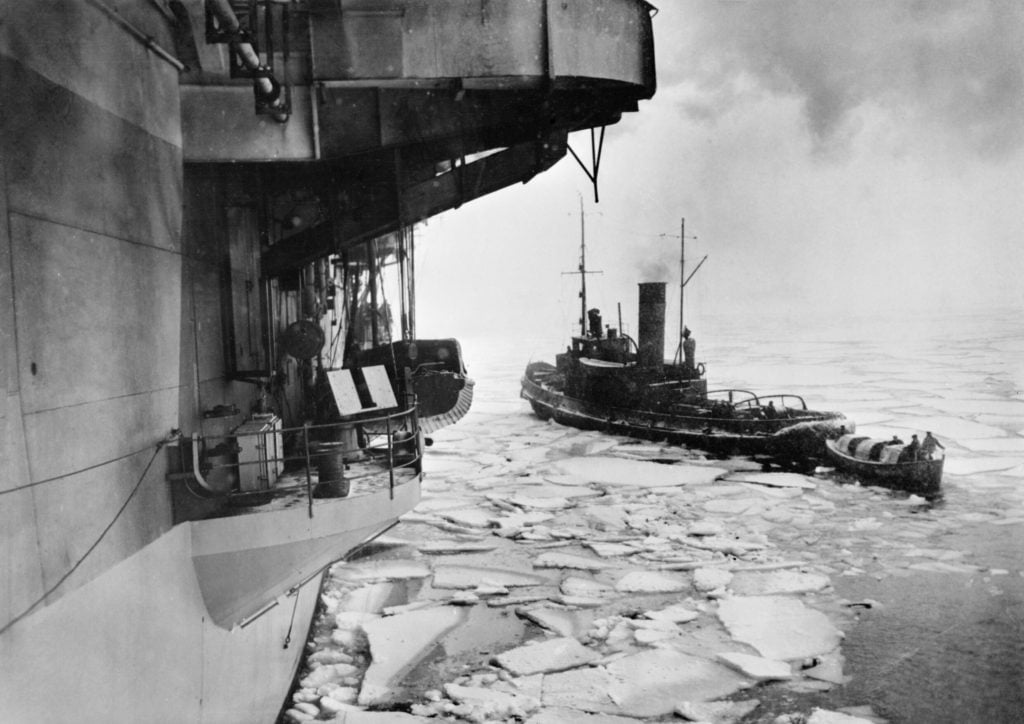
x,y
889,465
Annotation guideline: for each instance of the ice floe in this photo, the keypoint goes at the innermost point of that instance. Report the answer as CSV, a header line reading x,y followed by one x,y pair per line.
x,y
824,716
707,580
776,480
676,613
561,715
547,656
562,621
652,582
446,576
757,667
486,704
651,683
448,547
616,471
569,560
759,584
397,643
778,627
716,712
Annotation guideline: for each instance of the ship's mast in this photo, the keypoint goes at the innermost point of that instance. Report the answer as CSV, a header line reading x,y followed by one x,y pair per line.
x,y
683,279
682,274
583,274
582,271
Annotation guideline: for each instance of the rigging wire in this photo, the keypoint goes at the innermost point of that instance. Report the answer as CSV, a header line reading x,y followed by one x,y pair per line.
x,y
67,574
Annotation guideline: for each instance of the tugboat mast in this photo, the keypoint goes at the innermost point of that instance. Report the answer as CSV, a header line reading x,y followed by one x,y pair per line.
x,y
583,273
682,274
683,280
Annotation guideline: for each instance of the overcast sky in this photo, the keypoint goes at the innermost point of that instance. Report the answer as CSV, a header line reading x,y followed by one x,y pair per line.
x,y
825,154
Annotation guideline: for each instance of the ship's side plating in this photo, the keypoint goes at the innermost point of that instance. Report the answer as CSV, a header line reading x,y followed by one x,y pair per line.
x,y
157,235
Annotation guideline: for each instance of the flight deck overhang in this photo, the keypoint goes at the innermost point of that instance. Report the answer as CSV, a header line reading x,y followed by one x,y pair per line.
x,y
389,101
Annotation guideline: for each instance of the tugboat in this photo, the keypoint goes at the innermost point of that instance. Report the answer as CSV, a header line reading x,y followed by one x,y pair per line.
x,y
607,381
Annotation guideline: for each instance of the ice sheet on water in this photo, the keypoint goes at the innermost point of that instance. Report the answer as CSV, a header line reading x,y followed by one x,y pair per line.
x,y
539,488
616,471
825,716
778,627
650,683
706,580
471,576
776,480
757,667
562,621
439,502
448,547
734,506
569,560
379,717
580,690
579,586
528,501
1004,445
716,712
548,656
950,427
969,466
676,613
485,704
469,517
561,715
775,582
378,570
397,643
610,550
585,444
994,406
652,582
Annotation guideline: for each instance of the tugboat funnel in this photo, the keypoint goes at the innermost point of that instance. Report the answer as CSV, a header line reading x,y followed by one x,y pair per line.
x,y
651,343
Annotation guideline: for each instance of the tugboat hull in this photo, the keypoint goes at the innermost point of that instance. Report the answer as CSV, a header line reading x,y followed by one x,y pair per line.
x,y
786,439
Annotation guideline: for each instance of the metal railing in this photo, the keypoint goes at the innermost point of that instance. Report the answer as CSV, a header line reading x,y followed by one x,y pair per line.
x,y
261,464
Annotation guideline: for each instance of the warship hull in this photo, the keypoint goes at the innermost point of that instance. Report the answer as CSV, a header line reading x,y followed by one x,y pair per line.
x,y
181,182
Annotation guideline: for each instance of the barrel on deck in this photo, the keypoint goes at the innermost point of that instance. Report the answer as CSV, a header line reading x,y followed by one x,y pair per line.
x,y
651,343
329,460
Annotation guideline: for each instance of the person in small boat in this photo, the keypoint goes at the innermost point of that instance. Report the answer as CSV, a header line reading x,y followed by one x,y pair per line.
x,y
689,351
895,441
910,452
928,446
770,412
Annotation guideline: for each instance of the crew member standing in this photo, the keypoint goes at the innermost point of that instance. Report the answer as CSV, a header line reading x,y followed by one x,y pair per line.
x,y
928,446
689,351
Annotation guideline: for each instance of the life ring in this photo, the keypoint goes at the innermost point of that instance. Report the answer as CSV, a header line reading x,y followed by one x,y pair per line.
x,y
700,369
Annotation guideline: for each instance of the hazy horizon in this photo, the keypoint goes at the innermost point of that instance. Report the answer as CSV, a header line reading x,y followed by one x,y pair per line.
x,y
860,155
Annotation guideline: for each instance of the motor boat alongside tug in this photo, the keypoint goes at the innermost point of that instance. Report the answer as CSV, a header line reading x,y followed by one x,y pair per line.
x,y
889,464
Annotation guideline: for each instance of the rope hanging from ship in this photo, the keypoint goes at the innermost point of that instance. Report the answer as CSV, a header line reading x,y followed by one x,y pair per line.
x,y
67,574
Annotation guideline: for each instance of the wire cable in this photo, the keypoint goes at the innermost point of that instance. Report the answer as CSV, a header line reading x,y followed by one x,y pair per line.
x,y
67,574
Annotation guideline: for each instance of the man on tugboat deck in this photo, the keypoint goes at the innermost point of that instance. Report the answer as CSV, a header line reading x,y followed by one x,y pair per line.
x,y
689,351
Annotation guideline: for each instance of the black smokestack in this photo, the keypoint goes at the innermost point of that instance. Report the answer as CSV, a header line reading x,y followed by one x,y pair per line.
x,y
652,325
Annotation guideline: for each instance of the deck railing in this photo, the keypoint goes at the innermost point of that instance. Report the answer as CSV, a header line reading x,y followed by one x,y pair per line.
x,y
258,464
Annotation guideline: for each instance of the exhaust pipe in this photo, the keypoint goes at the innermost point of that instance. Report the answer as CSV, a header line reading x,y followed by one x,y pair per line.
x,y
651,345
